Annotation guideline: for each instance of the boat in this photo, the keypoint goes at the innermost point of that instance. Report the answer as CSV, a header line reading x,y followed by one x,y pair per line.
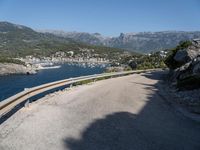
x,y
51,67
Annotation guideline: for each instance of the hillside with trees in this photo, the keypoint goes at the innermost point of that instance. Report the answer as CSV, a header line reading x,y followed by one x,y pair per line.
x,y
20,41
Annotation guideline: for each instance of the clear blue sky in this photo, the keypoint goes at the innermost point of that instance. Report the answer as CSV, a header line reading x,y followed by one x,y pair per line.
x,y
108,17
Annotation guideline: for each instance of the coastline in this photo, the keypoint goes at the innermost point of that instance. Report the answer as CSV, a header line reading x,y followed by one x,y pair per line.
x,y
11,68
32,66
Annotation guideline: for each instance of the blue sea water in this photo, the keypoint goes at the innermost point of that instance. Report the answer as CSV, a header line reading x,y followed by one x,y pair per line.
x,y
12,84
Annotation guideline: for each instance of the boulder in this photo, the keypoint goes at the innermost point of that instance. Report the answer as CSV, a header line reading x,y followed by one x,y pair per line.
x,y
196,43
133,65
188,54
185,67
188,74
196,68
10,68
182,56
193,53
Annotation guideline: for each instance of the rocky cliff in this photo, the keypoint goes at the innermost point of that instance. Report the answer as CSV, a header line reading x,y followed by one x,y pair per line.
x,y
9,68
184,63
143,42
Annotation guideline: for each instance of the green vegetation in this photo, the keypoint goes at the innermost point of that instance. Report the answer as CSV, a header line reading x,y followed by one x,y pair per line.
x,y
20,41
93,80
138,62
151,62
83,82
169,61
118,69
89,81
10,60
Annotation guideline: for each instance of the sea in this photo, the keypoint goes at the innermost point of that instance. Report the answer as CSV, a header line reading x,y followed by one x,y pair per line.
x,y
13,84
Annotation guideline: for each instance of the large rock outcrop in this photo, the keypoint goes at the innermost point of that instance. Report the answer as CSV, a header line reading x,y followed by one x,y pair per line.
x,y
10,68
187,74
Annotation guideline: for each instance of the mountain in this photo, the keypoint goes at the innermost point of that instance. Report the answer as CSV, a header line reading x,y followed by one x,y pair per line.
x,y
89,38
18,40
151,41
21,40
143,42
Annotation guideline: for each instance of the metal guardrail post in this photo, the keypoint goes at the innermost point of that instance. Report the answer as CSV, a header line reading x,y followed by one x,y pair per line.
x,y
27,103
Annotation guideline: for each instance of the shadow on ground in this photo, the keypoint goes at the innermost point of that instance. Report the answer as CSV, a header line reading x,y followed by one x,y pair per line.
x,y
156,127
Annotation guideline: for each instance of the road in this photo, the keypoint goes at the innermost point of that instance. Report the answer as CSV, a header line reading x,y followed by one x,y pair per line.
x,y
125,113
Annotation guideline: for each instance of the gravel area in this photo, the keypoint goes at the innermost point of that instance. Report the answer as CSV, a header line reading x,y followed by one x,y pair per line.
x,y
188,99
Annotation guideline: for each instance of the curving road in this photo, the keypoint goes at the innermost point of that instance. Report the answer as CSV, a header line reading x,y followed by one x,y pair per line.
x,y
125,113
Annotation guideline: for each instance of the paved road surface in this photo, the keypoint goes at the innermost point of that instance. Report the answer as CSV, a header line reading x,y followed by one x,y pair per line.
x,y
124,113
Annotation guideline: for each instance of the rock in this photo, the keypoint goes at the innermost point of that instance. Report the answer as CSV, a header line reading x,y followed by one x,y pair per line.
x,y
185,67
182,56
188,54
188,74
30,71
184,75
193,53
133,64
196,66
10,68
196,43
187,77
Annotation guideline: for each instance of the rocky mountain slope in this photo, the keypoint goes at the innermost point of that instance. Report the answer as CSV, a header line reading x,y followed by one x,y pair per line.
x,y
18,40
89,38
144,42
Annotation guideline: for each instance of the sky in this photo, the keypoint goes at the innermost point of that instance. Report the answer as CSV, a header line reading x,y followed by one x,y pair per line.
x,y
108,17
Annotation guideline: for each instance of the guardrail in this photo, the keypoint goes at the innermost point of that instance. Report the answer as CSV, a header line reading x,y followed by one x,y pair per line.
x,y
13,101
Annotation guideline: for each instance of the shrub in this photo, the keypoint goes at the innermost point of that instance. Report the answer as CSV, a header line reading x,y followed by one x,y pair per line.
x,y
10,60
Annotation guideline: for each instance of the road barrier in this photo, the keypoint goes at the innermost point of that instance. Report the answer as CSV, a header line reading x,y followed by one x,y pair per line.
x,y
13,101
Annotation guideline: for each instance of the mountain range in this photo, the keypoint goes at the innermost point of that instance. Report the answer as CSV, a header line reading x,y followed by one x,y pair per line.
x,y
22,40
19,40
143,42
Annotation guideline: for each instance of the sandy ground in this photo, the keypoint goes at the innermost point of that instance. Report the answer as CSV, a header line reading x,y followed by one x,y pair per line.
x,y
125,113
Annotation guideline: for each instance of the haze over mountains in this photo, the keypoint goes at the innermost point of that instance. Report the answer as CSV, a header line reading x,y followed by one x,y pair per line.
x,y
142,42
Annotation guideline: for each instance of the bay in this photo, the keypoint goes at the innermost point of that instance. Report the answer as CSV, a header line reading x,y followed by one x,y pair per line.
x,y
13,84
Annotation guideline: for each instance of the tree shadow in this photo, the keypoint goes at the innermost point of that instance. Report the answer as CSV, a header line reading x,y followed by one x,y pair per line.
x,y
156,127
111,132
